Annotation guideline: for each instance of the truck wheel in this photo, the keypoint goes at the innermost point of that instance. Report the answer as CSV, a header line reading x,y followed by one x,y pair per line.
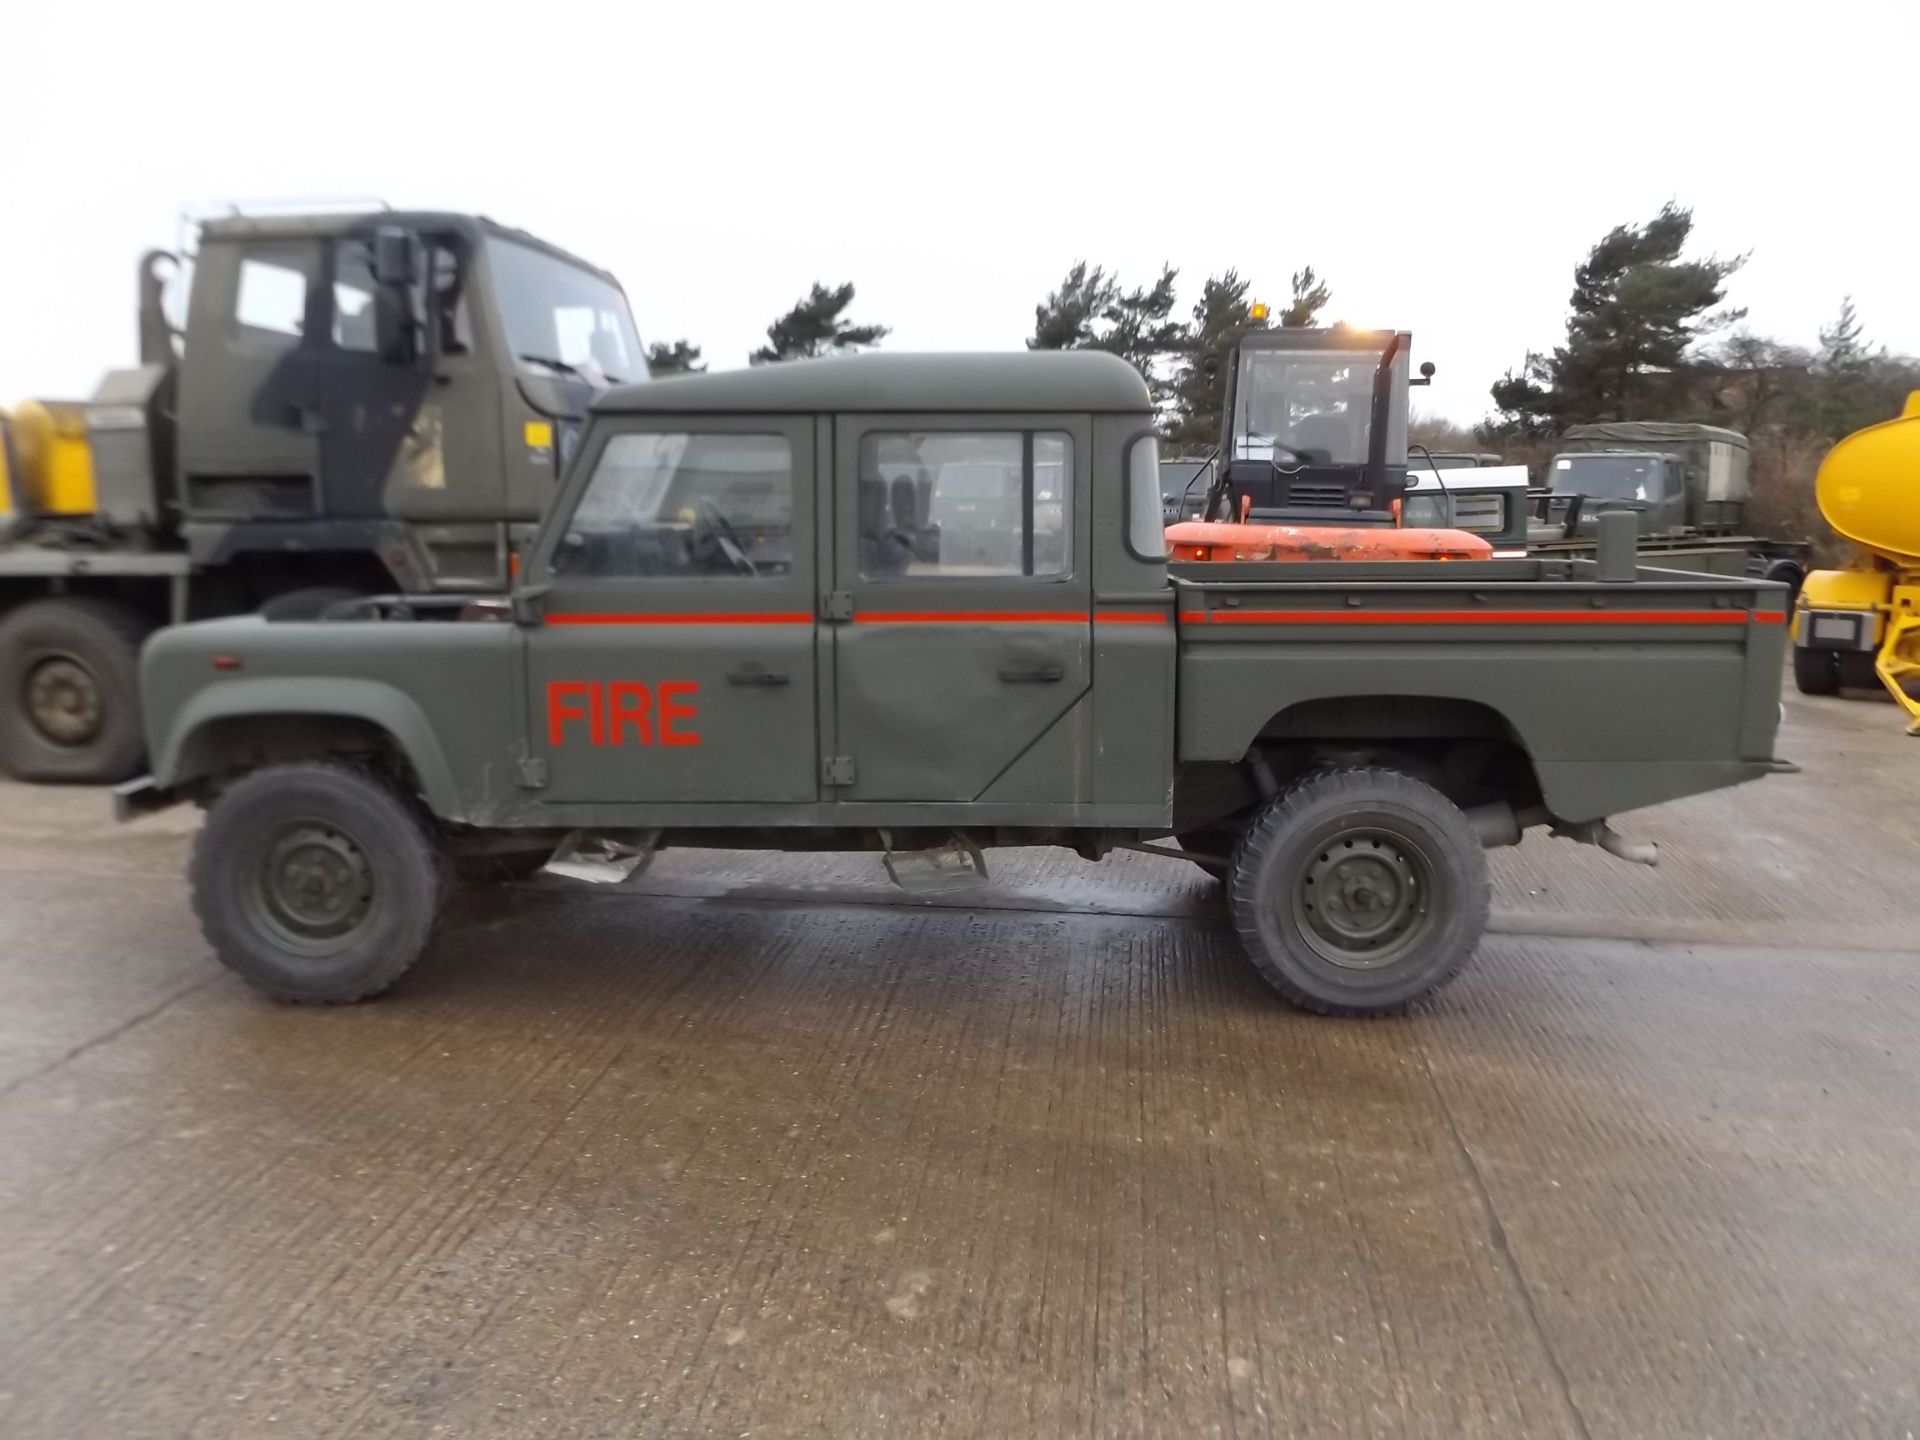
x,y
315,882
1357,891
1853,669
70,690
1815,672
308,604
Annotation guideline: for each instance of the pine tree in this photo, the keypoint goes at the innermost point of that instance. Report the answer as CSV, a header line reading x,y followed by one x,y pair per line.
x,y
1220,319
1636,308
1067,319
1090,311
816,326
681,357
1310,296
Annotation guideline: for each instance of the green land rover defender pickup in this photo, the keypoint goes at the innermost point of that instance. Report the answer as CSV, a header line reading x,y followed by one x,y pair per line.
x,y
920,605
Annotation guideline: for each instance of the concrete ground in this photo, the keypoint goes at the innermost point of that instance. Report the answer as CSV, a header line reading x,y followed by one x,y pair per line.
x,y
771,1150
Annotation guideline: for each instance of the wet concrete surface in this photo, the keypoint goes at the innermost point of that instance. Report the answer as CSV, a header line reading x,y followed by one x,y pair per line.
x,y
770,1150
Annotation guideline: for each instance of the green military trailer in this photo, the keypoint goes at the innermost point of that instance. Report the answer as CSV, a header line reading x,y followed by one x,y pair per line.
x,y
920,605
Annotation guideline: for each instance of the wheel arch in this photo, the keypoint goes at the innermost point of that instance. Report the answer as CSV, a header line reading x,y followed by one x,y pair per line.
x,y
1466,749
242,724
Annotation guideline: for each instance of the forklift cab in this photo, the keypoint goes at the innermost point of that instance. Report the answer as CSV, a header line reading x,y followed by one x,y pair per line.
x,y
1315,427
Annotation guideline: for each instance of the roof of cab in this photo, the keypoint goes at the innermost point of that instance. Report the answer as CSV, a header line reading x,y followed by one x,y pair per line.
x,y
1040,380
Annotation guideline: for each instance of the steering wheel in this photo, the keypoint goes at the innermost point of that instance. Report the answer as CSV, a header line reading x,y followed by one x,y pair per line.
x,y
725,537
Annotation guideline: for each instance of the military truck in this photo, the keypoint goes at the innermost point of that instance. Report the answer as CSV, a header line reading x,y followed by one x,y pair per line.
x,y
741,626
363,403
1686,483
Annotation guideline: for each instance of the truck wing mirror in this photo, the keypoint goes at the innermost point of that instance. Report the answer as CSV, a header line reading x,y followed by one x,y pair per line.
x,y
395,256
396,331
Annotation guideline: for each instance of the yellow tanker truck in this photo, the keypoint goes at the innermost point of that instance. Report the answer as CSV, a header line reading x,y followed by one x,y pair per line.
x,y
1862,624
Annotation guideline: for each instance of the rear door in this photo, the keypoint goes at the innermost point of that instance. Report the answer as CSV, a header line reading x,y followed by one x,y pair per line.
x,y
676,658
960,566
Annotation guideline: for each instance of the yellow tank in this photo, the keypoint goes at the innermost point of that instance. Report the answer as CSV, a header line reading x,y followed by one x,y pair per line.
x,y
1869,487
6,467
1869,490
54,473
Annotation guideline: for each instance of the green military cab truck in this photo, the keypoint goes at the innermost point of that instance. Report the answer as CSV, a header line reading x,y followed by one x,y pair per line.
x,y
356,404
920,605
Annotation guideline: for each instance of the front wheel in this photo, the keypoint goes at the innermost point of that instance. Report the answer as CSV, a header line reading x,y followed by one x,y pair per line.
x,y
315,882
1358,891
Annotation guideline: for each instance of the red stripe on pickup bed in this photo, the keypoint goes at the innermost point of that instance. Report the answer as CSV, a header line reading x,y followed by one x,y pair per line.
x,y
970,617
1489,617
690,617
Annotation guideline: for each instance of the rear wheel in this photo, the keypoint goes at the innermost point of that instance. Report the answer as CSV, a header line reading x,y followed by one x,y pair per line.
x,y
317,882
1816,672
70,690
1358,891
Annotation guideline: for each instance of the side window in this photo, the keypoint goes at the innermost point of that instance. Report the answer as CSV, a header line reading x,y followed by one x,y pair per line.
x,y
684,504
353,297
270,306
1146,521
439,293
966,502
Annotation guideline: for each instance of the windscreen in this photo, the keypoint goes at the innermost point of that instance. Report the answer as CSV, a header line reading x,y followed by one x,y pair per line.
x,y
1311,406
1608,477
561,319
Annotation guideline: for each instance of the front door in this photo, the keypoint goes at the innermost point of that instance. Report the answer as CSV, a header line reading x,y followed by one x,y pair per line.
x,y
250,412
676,658
414,437
962,547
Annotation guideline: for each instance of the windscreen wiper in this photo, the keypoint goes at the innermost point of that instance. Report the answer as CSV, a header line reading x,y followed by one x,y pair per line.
x,y
552,364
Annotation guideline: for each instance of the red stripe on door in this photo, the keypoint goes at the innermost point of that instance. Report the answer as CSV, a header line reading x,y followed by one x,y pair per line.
x,y
970,617
691,617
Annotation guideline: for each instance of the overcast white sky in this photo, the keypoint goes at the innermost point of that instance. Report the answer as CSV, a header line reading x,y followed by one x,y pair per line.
x,y
1444,165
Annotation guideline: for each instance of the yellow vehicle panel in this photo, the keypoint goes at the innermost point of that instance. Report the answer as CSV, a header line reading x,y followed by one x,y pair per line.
x,y
1869,486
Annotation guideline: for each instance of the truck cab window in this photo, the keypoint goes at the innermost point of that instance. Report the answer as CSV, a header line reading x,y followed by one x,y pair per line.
x,y
962,502
684,504
439,293
270,307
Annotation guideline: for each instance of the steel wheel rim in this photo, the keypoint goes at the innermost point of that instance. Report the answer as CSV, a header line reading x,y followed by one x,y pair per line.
x,y
62,701
1364,898
311,887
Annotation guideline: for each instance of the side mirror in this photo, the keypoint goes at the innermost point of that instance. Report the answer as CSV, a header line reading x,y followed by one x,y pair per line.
x,y
396,333
396,256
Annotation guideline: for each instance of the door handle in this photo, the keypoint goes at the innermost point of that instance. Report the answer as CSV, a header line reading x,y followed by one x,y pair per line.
x,y
755,675
1032,674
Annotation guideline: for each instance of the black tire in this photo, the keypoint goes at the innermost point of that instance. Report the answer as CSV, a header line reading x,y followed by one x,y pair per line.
x,y
309,603
1853,670
317,883
70,690
1816,672
1410,879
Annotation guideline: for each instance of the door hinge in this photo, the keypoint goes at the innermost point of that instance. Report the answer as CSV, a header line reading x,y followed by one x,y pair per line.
x,y
837,770
533,774
837,605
